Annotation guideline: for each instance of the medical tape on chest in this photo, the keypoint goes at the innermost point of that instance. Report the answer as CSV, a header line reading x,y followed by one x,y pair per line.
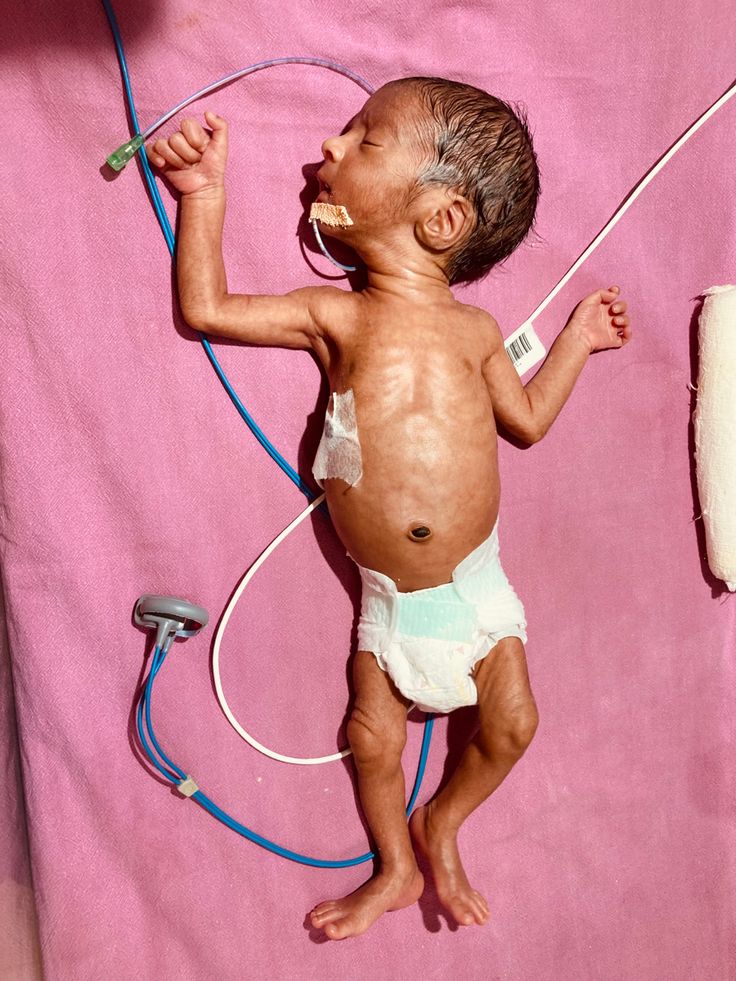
x,y
339,455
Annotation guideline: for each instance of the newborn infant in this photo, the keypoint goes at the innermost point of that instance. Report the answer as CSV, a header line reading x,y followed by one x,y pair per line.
x,y
432,183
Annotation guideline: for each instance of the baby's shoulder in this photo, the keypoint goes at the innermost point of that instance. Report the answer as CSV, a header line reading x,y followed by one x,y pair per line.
x,y
332,308
482,323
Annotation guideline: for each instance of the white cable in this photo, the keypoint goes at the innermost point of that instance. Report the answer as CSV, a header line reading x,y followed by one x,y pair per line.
x,y
218,640
630,200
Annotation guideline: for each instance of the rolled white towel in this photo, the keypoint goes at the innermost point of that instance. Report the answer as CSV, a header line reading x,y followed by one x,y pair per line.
x,y
715,429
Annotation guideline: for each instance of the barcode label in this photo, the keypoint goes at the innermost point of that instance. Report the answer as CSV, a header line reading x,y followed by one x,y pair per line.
x,y
524,348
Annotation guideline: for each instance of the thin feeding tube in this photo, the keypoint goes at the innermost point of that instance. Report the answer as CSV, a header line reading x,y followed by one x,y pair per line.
x,y
323,249
297,60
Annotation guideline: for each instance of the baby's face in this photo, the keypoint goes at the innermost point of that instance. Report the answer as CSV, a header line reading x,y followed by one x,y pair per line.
x,y
371,168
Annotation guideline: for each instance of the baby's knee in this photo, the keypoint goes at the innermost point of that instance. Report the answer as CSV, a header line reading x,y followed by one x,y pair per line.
x,y
373,739
510,733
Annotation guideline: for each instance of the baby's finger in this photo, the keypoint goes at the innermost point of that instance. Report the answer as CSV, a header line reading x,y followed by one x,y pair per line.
x,y
195,134
180,144
155,158
219,128
170,157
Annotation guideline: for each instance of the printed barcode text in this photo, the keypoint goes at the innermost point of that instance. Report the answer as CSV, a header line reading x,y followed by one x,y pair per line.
x,y
519,347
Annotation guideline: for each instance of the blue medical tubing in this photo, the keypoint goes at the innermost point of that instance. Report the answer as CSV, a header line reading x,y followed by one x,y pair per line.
x,y
155,668
175,774
163,220
145,698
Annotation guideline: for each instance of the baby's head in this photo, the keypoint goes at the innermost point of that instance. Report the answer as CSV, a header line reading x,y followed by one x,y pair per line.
x,y
483,149
456,138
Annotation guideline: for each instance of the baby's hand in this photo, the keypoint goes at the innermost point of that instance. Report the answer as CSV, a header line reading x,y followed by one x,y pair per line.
x,y
600,322
192,160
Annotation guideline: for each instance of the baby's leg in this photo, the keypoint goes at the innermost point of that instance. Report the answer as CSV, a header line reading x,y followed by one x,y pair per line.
x,y
377,734
507,716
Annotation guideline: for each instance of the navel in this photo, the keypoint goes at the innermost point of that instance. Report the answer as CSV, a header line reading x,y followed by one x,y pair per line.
x,y
419,532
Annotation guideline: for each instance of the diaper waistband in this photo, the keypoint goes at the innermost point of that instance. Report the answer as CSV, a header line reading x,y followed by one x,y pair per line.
x,y
449,611
473,577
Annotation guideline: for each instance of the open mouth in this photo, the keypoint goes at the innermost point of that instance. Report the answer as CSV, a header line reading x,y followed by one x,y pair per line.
x,y
324,208
325,190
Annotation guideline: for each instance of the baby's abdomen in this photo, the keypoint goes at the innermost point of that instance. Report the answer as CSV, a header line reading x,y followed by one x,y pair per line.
x,y
428,496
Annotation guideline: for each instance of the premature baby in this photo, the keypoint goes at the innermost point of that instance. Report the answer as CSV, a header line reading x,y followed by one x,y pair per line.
x,y
433,183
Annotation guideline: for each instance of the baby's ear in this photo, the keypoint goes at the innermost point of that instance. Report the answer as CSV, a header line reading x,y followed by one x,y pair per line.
x,y
446,218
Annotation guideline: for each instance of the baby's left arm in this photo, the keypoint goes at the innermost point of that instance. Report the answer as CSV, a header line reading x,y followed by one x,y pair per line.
x,y
598,322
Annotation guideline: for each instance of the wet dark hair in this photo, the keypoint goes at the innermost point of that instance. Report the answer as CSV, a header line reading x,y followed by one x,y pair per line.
x,y
481,147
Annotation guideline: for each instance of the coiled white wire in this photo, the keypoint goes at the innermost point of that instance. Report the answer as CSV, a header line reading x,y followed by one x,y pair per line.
x,y
218,640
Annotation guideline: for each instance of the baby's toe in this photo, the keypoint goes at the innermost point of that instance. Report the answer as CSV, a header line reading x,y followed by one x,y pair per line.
x,y
321,911
483,913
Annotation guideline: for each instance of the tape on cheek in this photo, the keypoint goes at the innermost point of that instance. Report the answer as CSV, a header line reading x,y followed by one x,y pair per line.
x,y
335,215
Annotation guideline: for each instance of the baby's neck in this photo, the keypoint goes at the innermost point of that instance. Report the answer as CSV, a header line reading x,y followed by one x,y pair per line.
x,y
408,284
391,269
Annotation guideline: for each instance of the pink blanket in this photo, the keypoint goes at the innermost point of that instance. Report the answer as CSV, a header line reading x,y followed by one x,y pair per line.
x,y
609,852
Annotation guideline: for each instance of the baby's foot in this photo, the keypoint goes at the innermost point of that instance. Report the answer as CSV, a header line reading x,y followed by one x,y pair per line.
x,y
453,889
347,917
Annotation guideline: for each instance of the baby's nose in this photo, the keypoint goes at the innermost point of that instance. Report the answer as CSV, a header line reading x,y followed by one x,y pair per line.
x,y
332,149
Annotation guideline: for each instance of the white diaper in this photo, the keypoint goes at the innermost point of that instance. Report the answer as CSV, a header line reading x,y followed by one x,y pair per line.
x,y
429,640
339,453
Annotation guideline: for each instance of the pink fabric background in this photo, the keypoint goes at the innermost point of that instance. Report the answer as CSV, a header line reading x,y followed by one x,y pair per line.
x,y
609,853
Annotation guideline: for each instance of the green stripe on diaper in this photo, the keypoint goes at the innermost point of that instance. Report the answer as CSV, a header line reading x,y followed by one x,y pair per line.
x,y
443,616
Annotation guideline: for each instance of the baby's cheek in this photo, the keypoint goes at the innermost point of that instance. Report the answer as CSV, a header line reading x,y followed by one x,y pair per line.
x,y
384,206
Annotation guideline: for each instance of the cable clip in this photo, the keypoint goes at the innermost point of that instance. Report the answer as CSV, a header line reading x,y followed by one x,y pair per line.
x,y
187,787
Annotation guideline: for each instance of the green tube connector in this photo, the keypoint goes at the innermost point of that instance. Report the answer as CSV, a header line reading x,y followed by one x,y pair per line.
x,y
119,158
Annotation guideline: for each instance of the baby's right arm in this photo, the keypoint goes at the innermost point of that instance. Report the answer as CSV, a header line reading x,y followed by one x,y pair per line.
x,y
194,163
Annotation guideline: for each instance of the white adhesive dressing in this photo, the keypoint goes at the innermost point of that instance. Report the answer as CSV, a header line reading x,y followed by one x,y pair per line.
x,y
339,453
715,429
